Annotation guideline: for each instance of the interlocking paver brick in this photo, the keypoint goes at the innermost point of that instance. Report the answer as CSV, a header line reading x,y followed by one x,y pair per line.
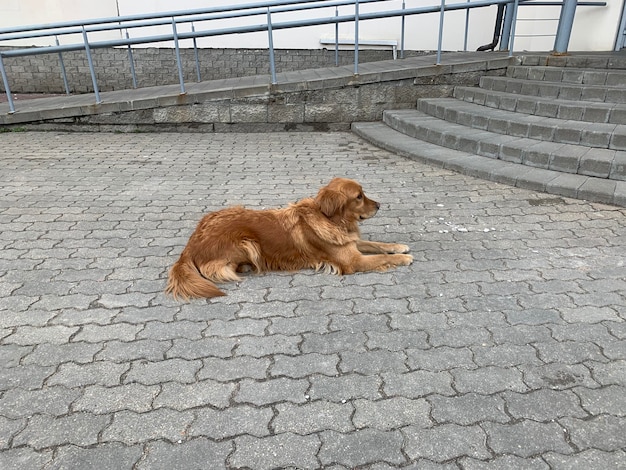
x,y
76,375
195,453
446,442
54,401
510,317
285,450
97,399
109,456
391,413
44,431
527,438
234,421
313,417
149,373
360,447
132,428
468,409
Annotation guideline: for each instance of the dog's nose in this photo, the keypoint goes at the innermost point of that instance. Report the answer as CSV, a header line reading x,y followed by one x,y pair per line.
x,y
377,205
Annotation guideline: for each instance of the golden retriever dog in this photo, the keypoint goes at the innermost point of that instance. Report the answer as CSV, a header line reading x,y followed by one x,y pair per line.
x,y
319,233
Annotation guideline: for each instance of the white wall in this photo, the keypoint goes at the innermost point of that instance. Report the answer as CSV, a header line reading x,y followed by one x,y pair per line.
x,y
595,28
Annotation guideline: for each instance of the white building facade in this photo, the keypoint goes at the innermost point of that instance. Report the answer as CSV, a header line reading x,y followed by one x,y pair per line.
x,y
596,28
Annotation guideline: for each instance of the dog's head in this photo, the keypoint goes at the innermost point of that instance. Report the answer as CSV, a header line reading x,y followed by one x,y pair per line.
x,y
345,199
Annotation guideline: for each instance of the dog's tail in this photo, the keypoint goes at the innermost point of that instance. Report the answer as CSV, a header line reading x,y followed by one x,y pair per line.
x,y
186,282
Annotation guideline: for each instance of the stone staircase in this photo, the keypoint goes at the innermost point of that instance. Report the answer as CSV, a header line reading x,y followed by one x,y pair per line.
x,y
558,127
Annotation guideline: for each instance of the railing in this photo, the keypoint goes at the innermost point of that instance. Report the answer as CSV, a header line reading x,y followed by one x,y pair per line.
x,y
264,9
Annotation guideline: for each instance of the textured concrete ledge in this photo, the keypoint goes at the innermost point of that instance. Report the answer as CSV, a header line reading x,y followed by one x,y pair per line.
x,y
321,99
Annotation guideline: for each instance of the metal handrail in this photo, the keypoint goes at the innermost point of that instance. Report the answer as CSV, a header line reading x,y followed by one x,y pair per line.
x,y
266,8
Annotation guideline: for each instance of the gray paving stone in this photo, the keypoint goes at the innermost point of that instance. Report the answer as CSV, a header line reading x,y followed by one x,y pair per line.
x,y
24,457
313,417
131,428
527,438
334,342
224,370
27,377
508,462
345,387
120,351
28,335
272,391
607,400
445,442
43,431
268,345
361,447
47,354
543,405
279,451
468,409
97,399
207,347
9,428
587,459
104,456
169,370
488,380
195,453
600,432
235,421
392,413
186,396
304,365
76,375
53,401
416,384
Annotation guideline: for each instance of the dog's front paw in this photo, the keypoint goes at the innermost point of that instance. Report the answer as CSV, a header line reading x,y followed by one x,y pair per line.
x,y
404,260
395,248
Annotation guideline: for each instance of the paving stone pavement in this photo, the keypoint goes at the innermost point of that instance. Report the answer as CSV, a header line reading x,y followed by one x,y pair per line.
x,y
502,346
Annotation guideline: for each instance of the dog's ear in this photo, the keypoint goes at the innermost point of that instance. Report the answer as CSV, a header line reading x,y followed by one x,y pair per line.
x,y
330,201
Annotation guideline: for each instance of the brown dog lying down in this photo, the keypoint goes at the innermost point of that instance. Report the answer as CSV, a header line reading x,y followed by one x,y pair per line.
x,y
321,233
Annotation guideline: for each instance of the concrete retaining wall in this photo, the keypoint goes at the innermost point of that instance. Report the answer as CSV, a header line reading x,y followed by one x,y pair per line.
x,y
153,67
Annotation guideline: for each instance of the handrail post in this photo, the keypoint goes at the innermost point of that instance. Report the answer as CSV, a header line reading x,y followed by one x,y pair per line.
x,y
356,37
467,13
195,51
7,90
131,60
564,29
91,69
514,20
402,31
506,28
336,38
63,72
271,46
179,62
440,40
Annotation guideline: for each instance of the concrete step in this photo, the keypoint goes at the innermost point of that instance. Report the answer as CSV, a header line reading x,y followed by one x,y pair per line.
x,y
537,179
575,60
556,90
556,156
546,107
589,134
581,76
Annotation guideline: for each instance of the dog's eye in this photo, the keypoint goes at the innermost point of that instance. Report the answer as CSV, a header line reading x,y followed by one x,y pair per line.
x,y
360,196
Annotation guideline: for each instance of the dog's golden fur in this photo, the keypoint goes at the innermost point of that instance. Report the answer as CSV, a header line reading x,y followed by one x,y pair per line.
x,y
321,233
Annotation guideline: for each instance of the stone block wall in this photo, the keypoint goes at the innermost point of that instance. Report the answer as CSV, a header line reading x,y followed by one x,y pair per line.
x,y
157,66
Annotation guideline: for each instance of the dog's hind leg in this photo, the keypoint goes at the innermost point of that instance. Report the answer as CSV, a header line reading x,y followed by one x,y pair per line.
x,y
219,271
